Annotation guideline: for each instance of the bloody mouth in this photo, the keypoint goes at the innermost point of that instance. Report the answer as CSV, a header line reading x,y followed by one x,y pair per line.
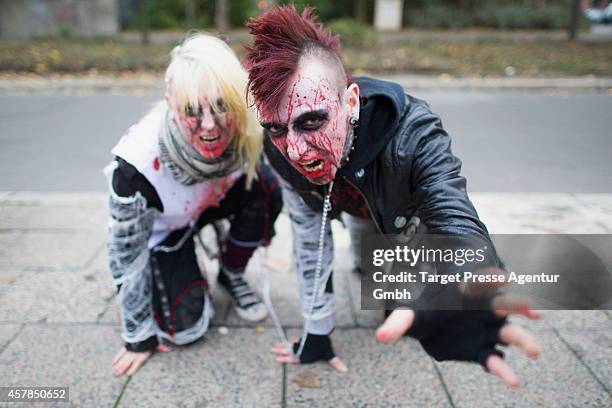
x,y
209,139
312,166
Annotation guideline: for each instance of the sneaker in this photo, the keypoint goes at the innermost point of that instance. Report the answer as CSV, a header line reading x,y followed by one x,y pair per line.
x,y
248,306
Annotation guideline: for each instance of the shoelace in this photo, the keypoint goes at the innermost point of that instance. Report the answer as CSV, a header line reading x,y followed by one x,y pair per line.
x,y
241,290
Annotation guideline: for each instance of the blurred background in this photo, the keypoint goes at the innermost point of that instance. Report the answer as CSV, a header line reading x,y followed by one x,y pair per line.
x,y
454,37
523,86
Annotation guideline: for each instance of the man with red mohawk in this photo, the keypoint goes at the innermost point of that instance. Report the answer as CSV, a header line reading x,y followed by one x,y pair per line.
x,y
363,147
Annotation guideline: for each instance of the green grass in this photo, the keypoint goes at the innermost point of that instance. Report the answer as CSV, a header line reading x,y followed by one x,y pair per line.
x,y
423,56
487,58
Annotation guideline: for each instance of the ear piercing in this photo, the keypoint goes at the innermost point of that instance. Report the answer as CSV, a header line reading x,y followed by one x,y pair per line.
x,y
351,137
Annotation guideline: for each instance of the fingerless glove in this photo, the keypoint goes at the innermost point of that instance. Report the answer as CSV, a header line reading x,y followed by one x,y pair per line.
x,y
316,348
463,335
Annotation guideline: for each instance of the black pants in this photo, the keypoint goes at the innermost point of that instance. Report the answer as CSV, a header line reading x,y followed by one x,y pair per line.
x,y
178,285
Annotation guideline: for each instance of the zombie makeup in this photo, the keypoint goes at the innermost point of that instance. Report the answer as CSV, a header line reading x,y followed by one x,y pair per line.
x,y
311,126
209,129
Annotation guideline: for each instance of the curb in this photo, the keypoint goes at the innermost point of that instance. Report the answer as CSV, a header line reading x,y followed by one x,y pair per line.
x,y
76,85
154,83
573,84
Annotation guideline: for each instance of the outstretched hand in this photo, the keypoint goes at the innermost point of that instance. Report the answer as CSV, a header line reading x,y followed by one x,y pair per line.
x,y
129,362
400,322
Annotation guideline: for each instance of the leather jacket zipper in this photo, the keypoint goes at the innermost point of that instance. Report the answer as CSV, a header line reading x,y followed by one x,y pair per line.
x,y
367,203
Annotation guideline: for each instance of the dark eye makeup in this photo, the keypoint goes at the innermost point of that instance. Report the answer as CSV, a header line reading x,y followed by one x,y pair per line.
x,y
274,129
221,105
312,120
306,122
191,111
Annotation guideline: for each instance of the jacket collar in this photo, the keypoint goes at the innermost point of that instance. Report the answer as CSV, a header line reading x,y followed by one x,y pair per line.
x,y
382,104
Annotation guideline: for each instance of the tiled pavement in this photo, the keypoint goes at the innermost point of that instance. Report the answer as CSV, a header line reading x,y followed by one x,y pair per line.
x,y
58,324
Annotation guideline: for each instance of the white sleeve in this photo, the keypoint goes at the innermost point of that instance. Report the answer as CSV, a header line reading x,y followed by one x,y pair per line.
x,y
129,228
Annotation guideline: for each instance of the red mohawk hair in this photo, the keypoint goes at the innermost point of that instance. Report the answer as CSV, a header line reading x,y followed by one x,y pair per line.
x,y
280,38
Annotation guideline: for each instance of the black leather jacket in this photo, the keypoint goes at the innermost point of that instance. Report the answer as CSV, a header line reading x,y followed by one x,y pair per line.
x,y
402,165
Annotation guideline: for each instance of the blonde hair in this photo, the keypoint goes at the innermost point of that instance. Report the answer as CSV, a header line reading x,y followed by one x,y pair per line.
x,y
204,65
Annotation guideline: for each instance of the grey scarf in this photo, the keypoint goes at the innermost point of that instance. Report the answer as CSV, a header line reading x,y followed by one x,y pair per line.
x,y
185,163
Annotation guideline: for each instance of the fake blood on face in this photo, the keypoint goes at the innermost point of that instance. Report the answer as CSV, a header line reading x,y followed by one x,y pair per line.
x,y
316,124
209,132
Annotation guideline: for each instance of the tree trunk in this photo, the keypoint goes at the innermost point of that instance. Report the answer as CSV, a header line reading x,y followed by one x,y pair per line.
x,y
222,15
144,21
190,13
361,11
572,29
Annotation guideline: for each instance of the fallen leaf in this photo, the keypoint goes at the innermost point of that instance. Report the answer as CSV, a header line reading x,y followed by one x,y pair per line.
x,y
307,379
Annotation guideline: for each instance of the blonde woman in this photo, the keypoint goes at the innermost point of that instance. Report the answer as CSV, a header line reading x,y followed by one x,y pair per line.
x,y
194,159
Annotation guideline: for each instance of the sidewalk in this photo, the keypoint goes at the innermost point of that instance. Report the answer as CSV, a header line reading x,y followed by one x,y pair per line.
x,y
407,34
58,324
149,82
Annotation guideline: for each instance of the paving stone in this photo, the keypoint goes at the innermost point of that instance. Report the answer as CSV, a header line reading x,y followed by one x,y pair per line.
x,y
99,273
594,348
57,198
556,379
111,314
5,195
72,217
7,332
47,250
600,245
6,213
47,281
561,319
64,296
343,266
598,208
232,370
7,278
533,213
577,319
99,266
74,356
9,245
379,375
365,318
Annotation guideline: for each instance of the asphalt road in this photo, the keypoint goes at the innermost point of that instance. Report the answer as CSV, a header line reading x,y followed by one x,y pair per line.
x,y
509,142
